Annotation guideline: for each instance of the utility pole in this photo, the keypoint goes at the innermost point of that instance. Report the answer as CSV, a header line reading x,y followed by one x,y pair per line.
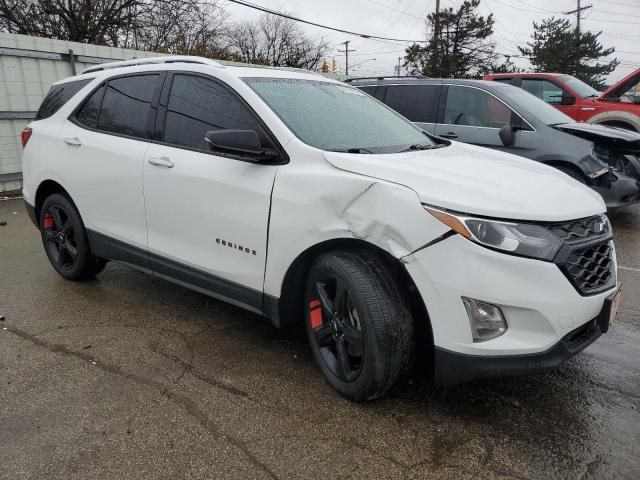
x,y
346,56
436,31
399,67
578,11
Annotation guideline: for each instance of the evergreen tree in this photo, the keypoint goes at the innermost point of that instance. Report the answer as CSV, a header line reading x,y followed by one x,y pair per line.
x,y
459,44
556,47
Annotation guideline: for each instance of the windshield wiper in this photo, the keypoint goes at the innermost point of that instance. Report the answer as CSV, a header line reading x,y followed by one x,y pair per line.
x,y
421,146
352,150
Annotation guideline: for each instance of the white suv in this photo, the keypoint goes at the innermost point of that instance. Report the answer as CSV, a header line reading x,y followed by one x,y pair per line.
x,y
304,199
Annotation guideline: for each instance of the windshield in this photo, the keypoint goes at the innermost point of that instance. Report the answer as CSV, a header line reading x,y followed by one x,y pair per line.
x,y
332,116
578,86
532,107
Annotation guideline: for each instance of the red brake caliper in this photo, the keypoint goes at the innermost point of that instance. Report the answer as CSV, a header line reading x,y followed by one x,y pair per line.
x,y
315,314
47,222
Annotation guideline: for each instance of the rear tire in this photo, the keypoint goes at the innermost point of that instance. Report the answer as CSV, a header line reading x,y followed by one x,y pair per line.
x,y
359,325
65,239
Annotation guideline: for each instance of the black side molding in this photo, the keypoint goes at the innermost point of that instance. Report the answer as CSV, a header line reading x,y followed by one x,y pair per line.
x,y
31,211
184,275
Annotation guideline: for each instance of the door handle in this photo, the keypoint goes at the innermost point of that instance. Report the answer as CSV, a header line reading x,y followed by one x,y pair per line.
x,y
160,162
449,135
74,142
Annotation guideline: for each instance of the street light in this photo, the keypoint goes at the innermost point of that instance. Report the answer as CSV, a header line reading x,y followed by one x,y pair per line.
x,y
358,64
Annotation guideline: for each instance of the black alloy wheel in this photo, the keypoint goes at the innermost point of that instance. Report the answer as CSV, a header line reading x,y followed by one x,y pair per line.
x,y
65,239
360,328
59,238
337,329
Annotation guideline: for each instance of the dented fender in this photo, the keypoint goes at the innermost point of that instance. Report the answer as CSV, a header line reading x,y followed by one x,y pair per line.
x,y
317,202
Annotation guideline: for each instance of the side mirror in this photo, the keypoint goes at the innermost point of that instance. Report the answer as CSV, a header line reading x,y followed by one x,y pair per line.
x,y
636,99
567,99
241,142
507,135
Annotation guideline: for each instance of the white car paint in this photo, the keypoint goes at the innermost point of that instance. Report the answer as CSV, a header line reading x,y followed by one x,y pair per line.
x,y
179,213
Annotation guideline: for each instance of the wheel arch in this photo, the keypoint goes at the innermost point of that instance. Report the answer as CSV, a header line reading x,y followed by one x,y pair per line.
x,y
617,117
44,190
289,308
562,164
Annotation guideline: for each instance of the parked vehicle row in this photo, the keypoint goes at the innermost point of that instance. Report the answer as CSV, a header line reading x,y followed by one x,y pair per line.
x,y
507,118
304,199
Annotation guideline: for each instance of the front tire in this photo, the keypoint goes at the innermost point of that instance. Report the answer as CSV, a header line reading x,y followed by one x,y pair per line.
x,y
65,240
359,326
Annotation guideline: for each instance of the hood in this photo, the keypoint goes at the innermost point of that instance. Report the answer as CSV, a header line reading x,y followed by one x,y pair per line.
x,y
602,134
617,89
479,181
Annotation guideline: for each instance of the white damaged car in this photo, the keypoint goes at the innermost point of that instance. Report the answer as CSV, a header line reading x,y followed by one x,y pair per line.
x,y
305,200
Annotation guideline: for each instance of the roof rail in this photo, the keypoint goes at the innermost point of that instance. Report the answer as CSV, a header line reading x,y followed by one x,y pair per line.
x,y
384,77
256,65
152,60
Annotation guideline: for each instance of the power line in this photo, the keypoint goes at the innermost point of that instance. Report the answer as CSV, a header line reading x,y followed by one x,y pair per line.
x,y
403,12
620,3
602,20
319,25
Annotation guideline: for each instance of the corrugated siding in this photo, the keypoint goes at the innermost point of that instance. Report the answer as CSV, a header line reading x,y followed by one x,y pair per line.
x,y
25,81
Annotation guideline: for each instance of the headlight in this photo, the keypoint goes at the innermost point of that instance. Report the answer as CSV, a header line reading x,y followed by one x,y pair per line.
x,y
524,239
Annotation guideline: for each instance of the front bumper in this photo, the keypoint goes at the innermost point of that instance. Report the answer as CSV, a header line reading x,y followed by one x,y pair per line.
x,y
621,192
453,368
542,309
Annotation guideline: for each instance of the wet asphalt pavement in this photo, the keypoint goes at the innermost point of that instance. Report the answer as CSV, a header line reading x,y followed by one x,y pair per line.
x,y
130,377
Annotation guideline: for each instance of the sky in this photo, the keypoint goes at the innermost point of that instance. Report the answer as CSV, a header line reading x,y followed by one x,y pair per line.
x,y
619,21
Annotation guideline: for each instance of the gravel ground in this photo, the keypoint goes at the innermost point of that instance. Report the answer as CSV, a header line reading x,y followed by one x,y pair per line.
x,y
129,377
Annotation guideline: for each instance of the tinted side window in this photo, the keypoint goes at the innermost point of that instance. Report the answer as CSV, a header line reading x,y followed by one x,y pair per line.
x,y
544,89
474,107
88,113
198,105
59,95
127,104
416,102
370,90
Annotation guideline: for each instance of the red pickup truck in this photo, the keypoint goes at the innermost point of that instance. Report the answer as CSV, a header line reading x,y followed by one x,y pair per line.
x,y
618,106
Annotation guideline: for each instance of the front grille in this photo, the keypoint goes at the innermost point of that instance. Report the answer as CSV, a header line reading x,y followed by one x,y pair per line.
x,y
591,268
580,230
587,259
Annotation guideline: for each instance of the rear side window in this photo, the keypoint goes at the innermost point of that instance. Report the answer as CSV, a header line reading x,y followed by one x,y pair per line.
x,y
126,105
59,95
88,114
198,105
416,102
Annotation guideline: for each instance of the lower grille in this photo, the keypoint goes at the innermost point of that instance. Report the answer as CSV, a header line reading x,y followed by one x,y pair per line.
x,y
591,269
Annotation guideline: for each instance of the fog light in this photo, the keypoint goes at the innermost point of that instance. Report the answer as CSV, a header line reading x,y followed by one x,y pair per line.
x,y
486,320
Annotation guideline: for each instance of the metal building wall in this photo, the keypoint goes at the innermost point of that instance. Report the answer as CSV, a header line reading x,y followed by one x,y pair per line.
x,y
28,66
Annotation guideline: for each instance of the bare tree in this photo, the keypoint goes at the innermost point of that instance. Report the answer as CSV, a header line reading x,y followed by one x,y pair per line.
x,y
172,26
275,41
90,21
182,27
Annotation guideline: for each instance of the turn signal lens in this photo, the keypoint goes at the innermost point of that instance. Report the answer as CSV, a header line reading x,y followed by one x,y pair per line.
x,y
450,221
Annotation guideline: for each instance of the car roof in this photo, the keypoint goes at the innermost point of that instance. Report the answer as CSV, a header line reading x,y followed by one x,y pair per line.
x,y
363,82
524,74
161,63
